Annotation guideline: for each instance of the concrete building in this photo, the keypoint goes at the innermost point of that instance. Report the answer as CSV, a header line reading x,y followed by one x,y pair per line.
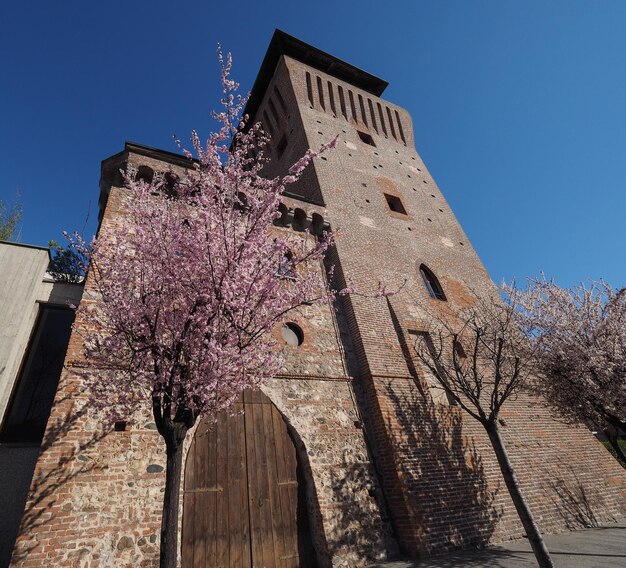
x,y
35,321
342,460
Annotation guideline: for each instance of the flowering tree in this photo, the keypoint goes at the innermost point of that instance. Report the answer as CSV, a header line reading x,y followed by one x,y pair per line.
x,y
191,286
582,337
481,360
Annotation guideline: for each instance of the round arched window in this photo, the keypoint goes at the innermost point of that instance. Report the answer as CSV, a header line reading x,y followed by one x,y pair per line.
x,y
292,334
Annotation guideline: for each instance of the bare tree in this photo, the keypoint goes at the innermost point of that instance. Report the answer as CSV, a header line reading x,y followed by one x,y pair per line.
x,y
481,360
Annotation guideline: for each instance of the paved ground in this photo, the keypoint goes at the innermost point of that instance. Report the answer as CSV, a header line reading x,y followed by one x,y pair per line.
x,y
602,547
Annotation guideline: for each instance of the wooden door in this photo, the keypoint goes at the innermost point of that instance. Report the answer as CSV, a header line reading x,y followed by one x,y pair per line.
x,y
244,504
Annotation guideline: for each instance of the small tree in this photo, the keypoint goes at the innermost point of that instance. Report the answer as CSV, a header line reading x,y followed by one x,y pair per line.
x,y
191,284
66,264
481,360
581,333
10,217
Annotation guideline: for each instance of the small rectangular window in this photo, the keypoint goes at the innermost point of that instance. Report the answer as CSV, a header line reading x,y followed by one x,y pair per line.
x,y
395,204
366,138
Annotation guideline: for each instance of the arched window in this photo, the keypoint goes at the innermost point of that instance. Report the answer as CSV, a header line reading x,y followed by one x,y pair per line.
x,y
431,283
145,173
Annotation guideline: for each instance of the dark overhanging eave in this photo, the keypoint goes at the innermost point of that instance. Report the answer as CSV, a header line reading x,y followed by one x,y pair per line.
x,y
285,44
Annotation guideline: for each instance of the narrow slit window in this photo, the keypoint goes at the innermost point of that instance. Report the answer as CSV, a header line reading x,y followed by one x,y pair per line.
x,y
342,102
309,88
395,204
391,127
431,283
400,127
320,91
331,98
372,114
280,99
274,111
362,105
282,146
382,119
267,123
352,107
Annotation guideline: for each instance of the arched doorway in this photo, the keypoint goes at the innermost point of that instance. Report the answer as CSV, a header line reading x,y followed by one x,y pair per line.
x,y
244,502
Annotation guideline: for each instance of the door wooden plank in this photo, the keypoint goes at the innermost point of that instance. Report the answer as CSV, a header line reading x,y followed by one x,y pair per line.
x,y
244,496
277,525
264,529
287,483
253,495
188,509
200,513
222,482
235,478
210,480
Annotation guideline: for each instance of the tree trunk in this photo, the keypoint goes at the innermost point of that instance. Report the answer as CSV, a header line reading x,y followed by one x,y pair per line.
x,y
614,441
169,520
532,531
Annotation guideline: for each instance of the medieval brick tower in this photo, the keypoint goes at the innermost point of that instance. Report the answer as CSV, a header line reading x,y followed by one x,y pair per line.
x,y
348,456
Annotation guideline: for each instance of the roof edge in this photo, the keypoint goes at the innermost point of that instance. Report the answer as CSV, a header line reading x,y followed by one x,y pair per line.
x,y
285,44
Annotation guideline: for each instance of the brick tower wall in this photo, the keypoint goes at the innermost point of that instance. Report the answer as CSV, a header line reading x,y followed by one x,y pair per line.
x,y
441,480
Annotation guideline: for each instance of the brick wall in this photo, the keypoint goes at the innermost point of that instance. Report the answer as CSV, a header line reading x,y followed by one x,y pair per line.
x,y
440,476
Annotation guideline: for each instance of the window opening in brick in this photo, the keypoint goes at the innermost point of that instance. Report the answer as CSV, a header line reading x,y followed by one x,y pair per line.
x,y
320,91
342,102
391,127
309,88
267,123
400,126
352,106
362,105
274,111
331,98
120,426
395,204
292,334
431,283
382,118
281,147
373,115
280,99
144,173
366,138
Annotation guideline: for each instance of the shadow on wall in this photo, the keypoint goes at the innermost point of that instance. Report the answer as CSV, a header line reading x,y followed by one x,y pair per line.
x,y
441,470
70,461
357,502
575,503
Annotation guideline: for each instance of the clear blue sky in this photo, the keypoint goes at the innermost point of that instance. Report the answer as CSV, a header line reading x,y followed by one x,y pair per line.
x,y
519,107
